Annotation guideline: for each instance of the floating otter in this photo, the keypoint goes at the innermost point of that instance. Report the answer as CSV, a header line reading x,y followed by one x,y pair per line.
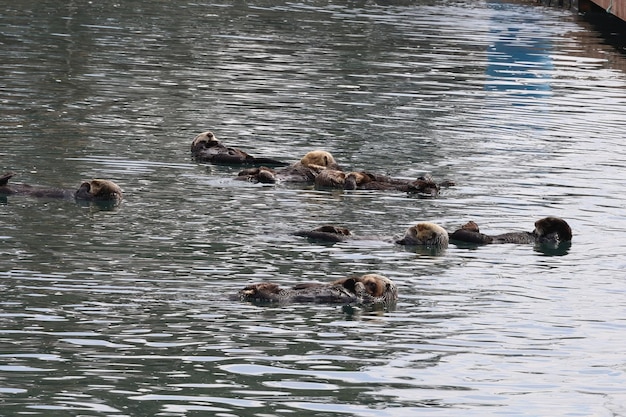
x,y
364,289
206,148
304,170
547,230
362,180
425,234
94,190
421,234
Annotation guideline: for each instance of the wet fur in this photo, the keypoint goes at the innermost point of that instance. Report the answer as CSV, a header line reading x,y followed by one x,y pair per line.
x,y
305,170
362,180
207,148
547,230
425,234
93,190
364,289
421,234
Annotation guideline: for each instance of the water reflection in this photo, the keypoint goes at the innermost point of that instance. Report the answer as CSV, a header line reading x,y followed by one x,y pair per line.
x,y
519,61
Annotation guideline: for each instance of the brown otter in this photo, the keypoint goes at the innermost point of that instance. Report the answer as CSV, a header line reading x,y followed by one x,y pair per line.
x,y
421,234
327,233
547,230
425,234
206,148
304,170
364,289
362,180
94,190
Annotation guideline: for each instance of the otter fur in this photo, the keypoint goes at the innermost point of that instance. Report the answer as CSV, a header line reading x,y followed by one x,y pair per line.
x,y
363,180
207,148
305,170
93,190
364,289
421,234
547,230
425,234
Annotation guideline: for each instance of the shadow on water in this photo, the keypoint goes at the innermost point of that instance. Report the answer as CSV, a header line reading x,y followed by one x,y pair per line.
x,y
610,28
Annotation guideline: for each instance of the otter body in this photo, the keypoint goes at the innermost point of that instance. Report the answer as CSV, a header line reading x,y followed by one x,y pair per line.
x,y
421,234
303,171
206,148
363,180
365,289
93,190
547,230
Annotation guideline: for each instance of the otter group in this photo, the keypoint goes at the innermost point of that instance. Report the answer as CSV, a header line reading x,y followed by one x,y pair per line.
x,y
320,169
548,230
316,167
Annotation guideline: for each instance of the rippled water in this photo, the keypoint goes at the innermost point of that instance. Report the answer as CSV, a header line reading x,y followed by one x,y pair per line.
x,y
127,311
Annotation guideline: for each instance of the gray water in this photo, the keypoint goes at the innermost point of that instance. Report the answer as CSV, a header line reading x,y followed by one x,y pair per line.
x,y
126,312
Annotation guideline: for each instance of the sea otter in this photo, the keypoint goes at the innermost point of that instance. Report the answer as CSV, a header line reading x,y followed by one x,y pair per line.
x,y
206,148
364,289
547,230
425,234
304,170
363,180
93,190
422,234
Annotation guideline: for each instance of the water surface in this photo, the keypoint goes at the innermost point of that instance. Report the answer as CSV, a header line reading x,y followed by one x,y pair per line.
x,y
127,311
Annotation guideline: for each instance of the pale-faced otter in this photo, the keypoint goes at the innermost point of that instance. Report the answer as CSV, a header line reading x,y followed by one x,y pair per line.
x,y
304,170
206,148
547,230
99,190
362,180
364,289
422,234
425,234
94,190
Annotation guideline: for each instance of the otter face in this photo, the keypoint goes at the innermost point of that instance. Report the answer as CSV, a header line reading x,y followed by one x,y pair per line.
x,y
355,179
553,228
204,140
428,234
377,287
99,190
319,160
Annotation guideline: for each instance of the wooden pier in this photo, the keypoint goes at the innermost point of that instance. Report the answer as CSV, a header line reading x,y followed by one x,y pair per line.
x,y
615,7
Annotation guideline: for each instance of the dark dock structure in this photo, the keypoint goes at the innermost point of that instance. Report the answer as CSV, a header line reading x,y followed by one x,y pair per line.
x,y
615,7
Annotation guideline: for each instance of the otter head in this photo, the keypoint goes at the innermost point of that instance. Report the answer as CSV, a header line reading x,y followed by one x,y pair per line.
x,y
330,178
99,190
471,226
204,140
370,287
424,185
426,234
553,229
319,160
355,179
263,291
4,179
